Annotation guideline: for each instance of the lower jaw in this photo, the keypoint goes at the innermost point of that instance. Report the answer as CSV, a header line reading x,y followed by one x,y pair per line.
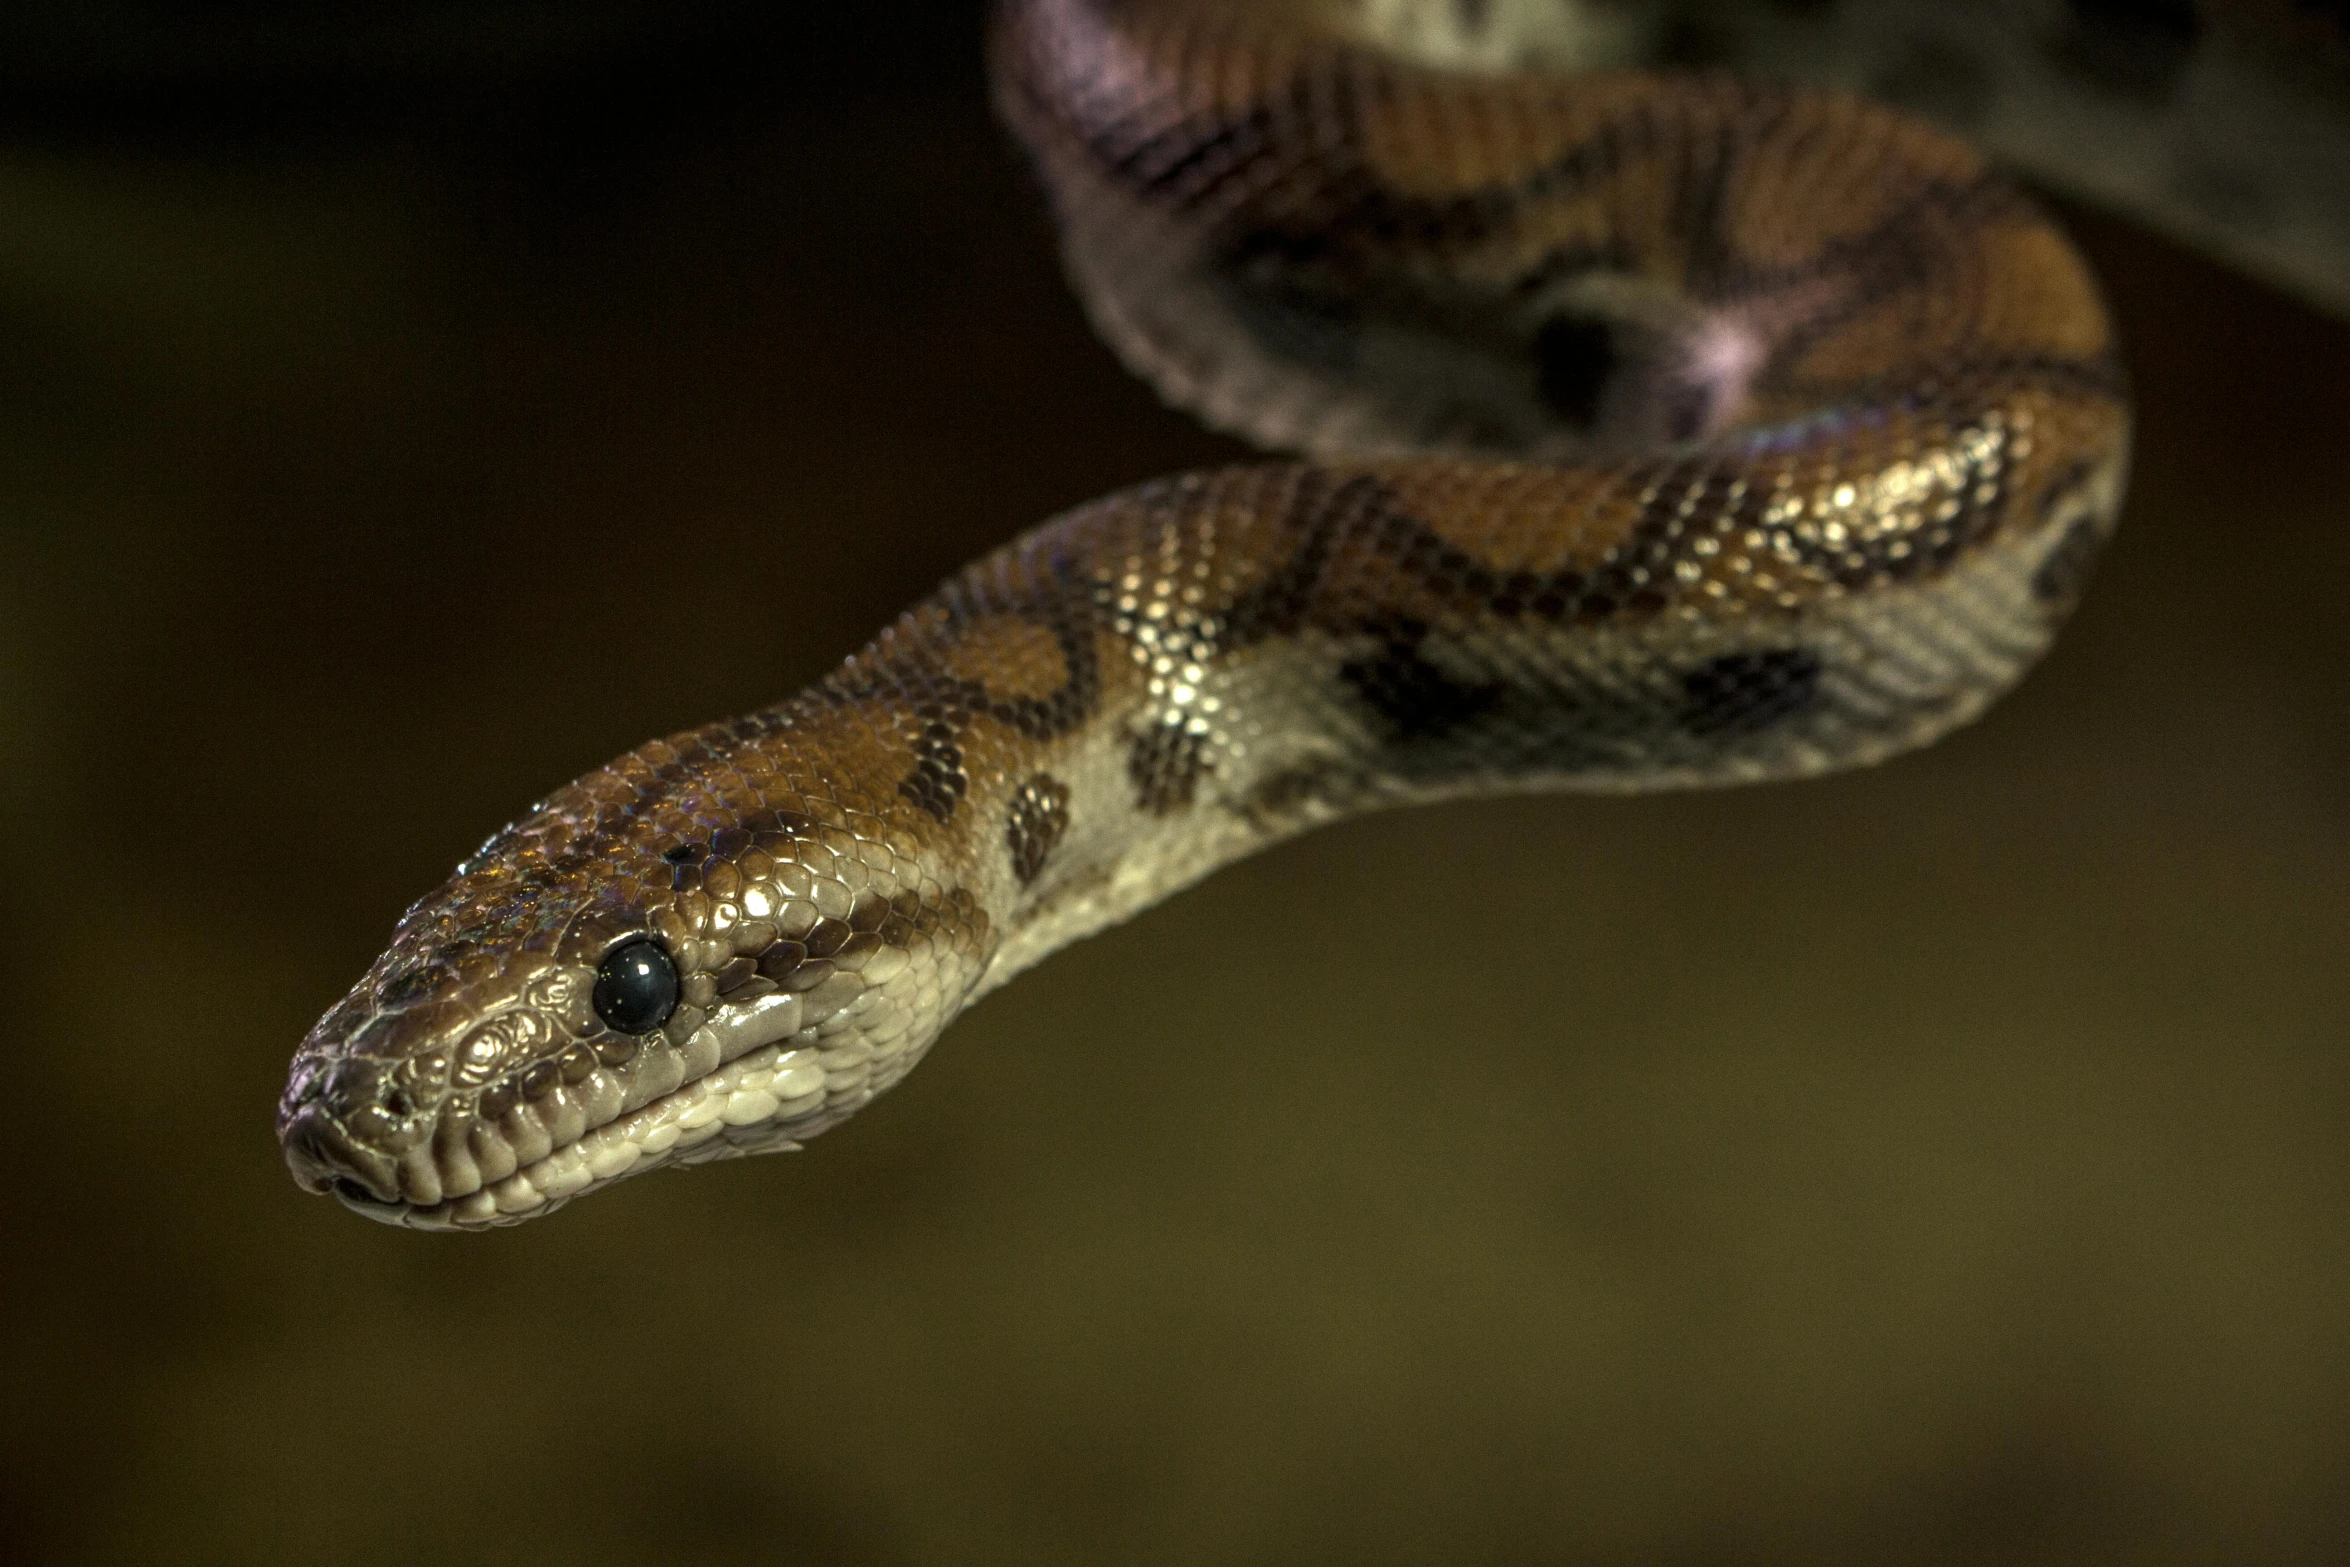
x,y
755,1103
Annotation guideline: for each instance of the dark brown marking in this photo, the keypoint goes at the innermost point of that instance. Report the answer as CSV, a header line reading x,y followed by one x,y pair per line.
x,y
2065,573
1166,763
1307,273
938,782
1746,693
1418,700
1034,826
1320,513
647,796
1187,162
1058,603
1896,256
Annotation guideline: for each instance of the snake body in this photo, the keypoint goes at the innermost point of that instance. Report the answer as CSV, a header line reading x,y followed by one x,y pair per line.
x,y
1656,431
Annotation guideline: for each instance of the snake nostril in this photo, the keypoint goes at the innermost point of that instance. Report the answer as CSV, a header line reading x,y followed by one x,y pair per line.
x,y
352,1084
324,1158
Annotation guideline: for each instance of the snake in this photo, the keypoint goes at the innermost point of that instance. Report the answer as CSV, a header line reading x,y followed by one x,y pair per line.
x,y
1632,431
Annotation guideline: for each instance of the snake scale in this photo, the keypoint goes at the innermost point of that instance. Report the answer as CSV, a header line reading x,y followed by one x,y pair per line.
x,y
1654,431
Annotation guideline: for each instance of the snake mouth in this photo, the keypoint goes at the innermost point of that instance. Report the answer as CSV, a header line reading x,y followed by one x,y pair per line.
x,y
763,1101
749,1080
324,1157
359,1199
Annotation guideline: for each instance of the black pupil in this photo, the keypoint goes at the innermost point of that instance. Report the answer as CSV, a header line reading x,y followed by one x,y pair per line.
x,y
636,987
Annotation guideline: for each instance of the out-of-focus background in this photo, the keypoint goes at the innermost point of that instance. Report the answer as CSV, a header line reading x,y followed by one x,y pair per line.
x,y
1949,1163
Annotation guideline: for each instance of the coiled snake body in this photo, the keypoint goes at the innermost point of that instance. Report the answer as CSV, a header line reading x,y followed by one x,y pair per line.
x,y
1659,432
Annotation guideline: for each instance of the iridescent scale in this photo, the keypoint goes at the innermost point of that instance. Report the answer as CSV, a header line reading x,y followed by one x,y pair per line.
x,y
1655,432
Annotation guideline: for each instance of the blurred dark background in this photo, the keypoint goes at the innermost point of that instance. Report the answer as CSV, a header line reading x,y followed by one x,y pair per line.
x,y
1940,1164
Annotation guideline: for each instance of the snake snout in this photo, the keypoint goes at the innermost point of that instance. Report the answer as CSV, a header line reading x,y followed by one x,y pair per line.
x,y
345,1134
324,1157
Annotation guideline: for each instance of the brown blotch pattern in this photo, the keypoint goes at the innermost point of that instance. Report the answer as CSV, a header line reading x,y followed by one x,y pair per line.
x,y
1033,827
1166,762
1684,396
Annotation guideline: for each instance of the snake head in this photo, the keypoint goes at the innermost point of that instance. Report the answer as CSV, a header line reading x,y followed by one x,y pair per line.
x,y
659,964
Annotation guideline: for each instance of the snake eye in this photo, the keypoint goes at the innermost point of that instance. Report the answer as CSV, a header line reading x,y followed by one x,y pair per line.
x,y
636,987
